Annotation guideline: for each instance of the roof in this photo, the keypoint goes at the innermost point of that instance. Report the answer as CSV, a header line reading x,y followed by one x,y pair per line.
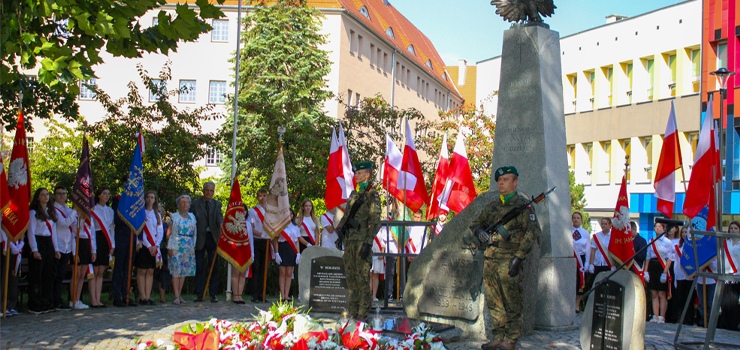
x,y
468,90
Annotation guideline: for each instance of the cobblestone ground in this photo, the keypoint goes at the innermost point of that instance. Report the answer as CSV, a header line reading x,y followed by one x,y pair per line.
x,y
120,328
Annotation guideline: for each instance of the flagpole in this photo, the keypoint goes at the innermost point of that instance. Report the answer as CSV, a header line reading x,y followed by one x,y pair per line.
x,y
130,260
7,271
76,261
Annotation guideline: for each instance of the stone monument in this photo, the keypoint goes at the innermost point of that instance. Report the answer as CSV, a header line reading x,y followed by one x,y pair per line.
x,y
322,283
615,314
530,135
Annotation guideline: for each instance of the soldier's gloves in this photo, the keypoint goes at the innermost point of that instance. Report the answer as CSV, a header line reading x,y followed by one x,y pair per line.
x,y
663,278
482,235
590,268
514,266
646,277
366,251
278,259
338,244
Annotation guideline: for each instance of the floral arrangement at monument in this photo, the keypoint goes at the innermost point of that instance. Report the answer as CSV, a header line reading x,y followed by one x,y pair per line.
x,y
284,327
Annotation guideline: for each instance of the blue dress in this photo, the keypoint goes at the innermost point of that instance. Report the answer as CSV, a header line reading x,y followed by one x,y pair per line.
x,y
182,244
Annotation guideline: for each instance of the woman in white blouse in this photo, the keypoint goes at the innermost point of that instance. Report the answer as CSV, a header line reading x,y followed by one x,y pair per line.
x,y
658,265
288,255
149,256
102,217
42,239
308,223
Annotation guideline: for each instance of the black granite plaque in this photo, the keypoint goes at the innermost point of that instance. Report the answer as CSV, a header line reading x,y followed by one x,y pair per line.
x,y
451,288
328,287
606,325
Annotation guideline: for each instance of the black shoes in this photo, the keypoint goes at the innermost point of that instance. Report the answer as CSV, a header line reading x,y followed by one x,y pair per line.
x,y
198,300
214,299
132,302
119,303
256,301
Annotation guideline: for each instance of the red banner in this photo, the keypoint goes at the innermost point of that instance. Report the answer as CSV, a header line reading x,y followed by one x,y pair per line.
x,y
15,215
621,247
233,245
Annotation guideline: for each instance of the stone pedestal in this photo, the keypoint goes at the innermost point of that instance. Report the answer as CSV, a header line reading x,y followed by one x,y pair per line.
x,y
304,275
530,135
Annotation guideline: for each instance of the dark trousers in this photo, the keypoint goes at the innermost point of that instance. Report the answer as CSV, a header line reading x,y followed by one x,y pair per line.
x,y
41,276
121,273
258,267
12,281
203,266
390,276
60,270
730,317
683,293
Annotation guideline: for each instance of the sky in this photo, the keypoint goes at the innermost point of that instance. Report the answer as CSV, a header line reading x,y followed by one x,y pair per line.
x,y
471,29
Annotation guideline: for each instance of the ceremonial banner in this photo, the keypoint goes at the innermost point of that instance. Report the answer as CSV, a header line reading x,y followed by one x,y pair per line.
x,y
334,176
706,246
277,206
621,247
411,177
669,162
4,195
82,192
347,170
705,172
233,245
16,214
463,190
436,204
131,205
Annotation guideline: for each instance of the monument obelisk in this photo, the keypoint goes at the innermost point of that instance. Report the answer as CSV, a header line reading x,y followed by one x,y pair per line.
x,y
530,135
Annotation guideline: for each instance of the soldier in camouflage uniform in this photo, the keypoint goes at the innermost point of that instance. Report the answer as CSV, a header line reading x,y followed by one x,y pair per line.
x,y
502,272
357,232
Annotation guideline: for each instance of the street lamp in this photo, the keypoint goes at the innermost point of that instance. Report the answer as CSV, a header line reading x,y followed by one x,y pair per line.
x,y
722,75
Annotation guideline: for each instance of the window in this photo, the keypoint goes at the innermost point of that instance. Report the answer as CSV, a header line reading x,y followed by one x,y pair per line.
x,y
372,54
377,58
418,86
650,66
349,97
591,78
364,12
695,63
389,31
357,99
572,157
411,49
189,94
220,30
609,74
153,97
29,144
429,64
351,40
647,144
628,72
213,156
217,92
403,74
627,152
722,55
155,21
670,61
385,62
444,76
85,92
359,46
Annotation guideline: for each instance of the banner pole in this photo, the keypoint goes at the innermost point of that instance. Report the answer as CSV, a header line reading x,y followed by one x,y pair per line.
x,y
5,283
76,261
264,274
130,260
210,272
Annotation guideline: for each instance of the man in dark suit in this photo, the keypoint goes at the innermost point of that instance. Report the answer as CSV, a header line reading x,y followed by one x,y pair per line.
x,y
209,218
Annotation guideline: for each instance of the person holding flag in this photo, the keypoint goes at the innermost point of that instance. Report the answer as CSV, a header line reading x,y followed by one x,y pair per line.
x,y
149,256
12,252
599,259
42,239
261,247
658,275
236,241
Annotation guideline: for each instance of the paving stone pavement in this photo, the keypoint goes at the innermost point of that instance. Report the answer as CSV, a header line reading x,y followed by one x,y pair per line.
x,y
120,328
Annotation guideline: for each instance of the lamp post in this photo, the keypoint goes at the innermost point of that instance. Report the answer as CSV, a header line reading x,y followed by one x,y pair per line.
x,y
722,75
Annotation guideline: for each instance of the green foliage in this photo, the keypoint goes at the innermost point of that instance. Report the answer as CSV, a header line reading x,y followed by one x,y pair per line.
x,y
173,138
55,158
578,200
63,39
281,83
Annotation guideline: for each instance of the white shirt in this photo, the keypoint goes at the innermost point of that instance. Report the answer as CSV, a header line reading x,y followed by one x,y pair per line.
x,y
416,236
735,254
66,228
599,259
677,270
699,279
259,231
38,227
157,231
308,222
387,239
580,244
328,238
379,248
105,213
293,232
665,248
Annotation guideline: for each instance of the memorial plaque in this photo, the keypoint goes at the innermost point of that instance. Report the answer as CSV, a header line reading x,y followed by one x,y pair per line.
x,y
606,325
328,286
450,289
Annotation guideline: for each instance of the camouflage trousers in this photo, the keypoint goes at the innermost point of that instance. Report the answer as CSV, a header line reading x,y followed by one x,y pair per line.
x,y
503,298
357,272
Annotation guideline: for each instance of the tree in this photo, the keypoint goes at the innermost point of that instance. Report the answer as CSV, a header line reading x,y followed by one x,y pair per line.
x,y
578,200
478,128
55,158
173,138
63,39
281,83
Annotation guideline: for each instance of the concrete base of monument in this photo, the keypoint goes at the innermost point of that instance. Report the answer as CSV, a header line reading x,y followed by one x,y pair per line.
x,y
308,256
555,294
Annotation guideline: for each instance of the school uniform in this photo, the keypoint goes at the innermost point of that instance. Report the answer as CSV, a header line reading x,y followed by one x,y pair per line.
x,y
308,229
42,238
730,317
601,263
66,234
262,248
150,236
14,249
102,218
418,238
288,249
581,246
328,239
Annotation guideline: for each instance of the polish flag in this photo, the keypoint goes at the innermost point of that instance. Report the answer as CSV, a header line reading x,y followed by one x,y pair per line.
x,y
411,177
440,180
391,168
621,247
705,172
347,173
463,190
669,162
334,175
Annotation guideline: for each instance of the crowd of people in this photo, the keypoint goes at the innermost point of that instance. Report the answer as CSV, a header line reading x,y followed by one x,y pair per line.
x,y
170,247
667,285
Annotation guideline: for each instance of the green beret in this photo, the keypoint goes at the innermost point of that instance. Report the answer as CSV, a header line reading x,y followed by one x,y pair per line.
x,y
505,170
362,165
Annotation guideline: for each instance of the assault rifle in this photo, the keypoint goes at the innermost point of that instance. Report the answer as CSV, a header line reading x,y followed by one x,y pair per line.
x,y
342,230
485,235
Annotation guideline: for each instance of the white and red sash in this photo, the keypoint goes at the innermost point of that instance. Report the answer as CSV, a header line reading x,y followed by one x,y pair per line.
x,y
150,238
678,251
64,216
308,232
331,222
259,213
601,249
377,241
102,228
663,264
290,241
579,265
51,232
438,229
410,246
639,271
729,258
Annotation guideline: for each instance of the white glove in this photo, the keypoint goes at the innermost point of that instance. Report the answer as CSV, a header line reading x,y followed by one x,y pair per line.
x,y
663,278
582,269
309,244
646,277
298,257
278,259
590,268
614,268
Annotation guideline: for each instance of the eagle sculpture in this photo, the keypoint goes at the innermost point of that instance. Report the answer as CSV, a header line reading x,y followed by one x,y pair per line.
x,y
524,10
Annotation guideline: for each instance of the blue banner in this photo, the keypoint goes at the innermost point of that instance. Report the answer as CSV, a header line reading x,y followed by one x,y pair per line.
x,y
706,246
131,205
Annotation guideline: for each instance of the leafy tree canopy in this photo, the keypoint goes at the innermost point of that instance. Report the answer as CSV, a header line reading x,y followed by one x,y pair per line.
x,y
578,200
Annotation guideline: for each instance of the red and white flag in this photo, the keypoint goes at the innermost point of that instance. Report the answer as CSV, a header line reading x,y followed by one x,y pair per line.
x,y
16,214
669,162
411,177
705,172
334,175
391,168
4,195
233,244
347,173
440,180
463,189
621,247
